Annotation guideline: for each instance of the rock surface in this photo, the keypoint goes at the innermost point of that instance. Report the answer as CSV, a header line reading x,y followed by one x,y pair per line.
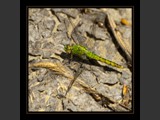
x,y
99,87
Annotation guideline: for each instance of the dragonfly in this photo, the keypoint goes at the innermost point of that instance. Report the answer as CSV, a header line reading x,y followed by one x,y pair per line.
x,y
82,52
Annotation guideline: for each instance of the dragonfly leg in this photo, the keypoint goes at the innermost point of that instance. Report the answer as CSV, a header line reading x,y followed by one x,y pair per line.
x,y
71,57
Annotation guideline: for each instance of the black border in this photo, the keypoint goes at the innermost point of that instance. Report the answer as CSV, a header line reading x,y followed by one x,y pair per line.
x,y
24,60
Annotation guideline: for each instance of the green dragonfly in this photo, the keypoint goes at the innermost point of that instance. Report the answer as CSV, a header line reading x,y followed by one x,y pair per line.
x,y
81,51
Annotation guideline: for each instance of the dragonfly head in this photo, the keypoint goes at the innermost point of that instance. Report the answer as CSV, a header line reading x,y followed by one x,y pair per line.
x,y
68,48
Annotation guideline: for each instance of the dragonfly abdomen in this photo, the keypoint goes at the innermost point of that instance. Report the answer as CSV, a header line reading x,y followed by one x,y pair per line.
x,y
98,58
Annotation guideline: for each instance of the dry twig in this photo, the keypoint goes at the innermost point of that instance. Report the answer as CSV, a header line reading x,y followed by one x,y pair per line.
x,y
112,26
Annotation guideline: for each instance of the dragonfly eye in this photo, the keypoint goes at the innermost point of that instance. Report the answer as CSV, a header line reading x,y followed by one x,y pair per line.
x,y
67,48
